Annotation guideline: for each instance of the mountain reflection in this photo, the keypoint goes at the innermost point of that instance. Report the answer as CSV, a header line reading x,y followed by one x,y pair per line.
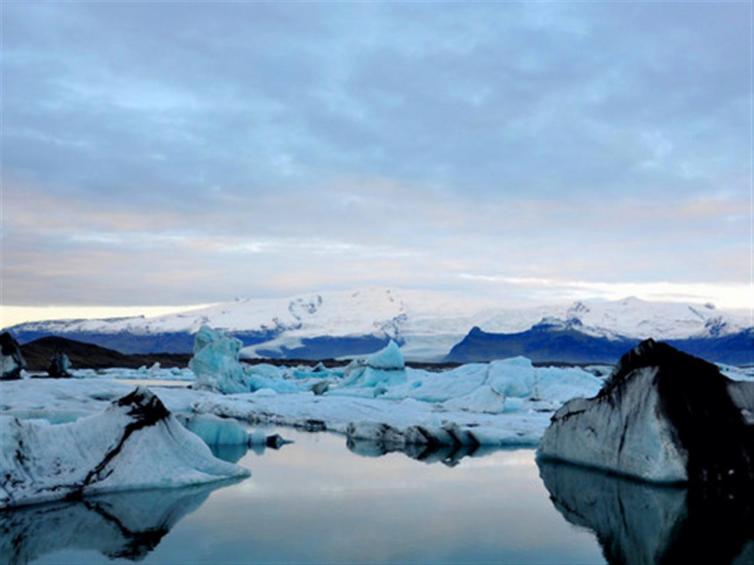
x,y
120,526
639,523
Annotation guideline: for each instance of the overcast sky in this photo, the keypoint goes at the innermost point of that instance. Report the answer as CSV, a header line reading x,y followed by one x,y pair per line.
x,y
183,153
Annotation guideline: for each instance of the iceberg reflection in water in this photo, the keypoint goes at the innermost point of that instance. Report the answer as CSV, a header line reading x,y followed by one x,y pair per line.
x,y
125,525
450,455
640,523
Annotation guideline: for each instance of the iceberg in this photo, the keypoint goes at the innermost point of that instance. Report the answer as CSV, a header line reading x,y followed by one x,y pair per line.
x,y
662,416
60,367
389,358
385,368
215,362
11,360
136,443
217,367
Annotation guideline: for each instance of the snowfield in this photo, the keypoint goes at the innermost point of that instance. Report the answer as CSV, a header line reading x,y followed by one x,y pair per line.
x,y
426,324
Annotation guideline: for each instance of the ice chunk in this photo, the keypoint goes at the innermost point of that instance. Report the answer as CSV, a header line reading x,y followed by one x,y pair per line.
x,y
261,439
388,358
135,443
215,362
60,367
384,368
217,367
11,360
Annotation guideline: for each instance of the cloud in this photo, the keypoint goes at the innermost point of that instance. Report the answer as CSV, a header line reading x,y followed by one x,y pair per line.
x,y
158,154
723,295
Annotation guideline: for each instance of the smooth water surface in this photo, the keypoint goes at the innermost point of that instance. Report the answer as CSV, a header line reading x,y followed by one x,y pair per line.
x,y
317,501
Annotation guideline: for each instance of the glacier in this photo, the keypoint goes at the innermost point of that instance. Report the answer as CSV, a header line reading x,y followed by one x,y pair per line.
x,y
426,325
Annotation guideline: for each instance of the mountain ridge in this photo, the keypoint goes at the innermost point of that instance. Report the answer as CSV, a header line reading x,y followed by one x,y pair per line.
x,y
427,325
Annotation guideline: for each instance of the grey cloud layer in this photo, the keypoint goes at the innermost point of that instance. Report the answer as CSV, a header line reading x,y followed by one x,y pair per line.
x,y
173,152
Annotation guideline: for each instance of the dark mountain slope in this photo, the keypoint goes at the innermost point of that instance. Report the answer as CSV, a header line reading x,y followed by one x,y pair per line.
x,y
88,356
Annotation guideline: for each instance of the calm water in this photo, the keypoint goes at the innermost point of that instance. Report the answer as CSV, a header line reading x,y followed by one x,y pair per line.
x,y
318,501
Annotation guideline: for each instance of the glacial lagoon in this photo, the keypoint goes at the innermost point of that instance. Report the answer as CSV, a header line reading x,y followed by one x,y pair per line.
x,y
320,500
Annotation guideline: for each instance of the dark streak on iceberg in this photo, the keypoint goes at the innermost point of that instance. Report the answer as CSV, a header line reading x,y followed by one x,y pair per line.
x,y
662,416
694,397
146,410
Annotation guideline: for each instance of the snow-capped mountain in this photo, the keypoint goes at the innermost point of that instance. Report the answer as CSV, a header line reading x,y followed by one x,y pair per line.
x,y
426,324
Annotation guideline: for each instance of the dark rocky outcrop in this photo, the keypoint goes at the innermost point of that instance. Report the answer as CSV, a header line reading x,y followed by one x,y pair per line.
x,y
89,356
11,360
662,416
567,342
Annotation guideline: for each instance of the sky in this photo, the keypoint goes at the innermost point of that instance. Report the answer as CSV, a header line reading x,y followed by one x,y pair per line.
x,y
175,153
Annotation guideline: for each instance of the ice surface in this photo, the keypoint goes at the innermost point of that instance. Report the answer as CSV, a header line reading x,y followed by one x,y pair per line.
x,y
501,403
136,443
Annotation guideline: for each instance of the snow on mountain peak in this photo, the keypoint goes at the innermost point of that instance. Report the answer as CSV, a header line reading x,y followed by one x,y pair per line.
x,y
426,323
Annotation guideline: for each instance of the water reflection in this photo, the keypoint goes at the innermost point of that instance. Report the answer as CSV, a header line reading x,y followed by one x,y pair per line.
x,y
234,453
317,502
637,523
229,453
450,455
126,525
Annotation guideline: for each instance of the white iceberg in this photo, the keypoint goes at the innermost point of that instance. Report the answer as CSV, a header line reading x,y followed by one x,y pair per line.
x,y
389,358
385,368
136,443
